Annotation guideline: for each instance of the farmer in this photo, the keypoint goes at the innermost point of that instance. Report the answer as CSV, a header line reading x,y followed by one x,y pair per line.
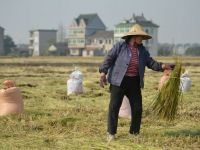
x,y
125,65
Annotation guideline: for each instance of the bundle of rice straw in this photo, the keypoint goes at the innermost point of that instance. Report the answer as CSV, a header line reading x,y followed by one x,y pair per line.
x,y
166,104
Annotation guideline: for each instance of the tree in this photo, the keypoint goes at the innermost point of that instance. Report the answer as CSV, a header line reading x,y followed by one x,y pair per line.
x,y
165,49
9,44
193,51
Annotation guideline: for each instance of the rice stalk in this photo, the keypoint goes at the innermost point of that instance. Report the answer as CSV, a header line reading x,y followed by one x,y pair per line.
x,y
169,96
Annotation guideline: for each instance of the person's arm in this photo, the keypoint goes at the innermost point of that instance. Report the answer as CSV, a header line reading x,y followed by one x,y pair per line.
x,y
156,66
109,59
107,63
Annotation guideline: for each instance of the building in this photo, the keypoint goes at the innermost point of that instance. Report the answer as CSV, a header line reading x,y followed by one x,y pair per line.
x,y
99,43
40,40
59,49
148,26
80,29
1,41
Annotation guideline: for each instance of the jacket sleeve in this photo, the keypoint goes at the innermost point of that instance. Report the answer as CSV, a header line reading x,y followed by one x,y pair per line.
x,y
110,58
151,63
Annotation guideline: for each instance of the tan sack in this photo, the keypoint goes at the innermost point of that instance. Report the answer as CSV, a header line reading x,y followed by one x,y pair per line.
x,y
11,101
164,78
125,109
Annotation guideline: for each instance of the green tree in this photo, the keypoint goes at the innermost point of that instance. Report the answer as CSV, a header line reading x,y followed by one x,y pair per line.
x,y
193,51
9,44
165,49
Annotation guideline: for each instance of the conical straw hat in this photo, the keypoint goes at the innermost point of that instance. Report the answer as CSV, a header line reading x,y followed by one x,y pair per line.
x,y
137,30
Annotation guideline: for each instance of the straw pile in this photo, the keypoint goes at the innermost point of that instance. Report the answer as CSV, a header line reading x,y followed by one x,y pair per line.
x,y
166,104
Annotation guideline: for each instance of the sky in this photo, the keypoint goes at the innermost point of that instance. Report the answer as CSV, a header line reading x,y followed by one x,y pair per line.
x,y
179,20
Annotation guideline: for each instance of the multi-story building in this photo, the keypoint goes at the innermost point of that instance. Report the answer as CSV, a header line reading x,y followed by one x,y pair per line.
x,y
99,43
79,31
59,49
1,41
40,40
148,26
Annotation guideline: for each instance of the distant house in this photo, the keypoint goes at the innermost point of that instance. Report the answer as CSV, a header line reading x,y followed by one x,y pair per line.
x,y
80,29
40,40
1,41
148,26
98,43
59,49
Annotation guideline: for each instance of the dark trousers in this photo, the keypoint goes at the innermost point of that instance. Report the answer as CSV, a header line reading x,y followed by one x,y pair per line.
x,y
130,87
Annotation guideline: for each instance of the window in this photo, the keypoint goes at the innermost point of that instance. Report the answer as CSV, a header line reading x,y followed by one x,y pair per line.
x,y
81,41
122,30
100,41
89,41
74,41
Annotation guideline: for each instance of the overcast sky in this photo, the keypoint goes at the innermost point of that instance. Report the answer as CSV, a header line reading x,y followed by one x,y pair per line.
x,y
179,20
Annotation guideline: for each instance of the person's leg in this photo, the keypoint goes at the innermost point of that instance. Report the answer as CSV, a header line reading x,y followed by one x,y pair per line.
x,y
135,98
116,97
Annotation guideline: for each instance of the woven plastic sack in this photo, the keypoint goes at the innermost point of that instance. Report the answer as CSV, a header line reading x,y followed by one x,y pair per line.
x,y
74,86
11,101
164,78
76,75
125,109
185,82
75,83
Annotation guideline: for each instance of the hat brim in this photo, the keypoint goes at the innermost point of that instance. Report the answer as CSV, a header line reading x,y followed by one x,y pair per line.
x,y
143,35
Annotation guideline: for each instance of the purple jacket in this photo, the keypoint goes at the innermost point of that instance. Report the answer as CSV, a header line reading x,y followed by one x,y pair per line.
x,y
117,60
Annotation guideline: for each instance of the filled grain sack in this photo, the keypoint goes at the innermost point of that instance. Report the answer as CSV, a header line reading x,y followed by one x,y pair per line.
x,y
75,83
11,101
77,74
74,86
125,109
164,78
185,82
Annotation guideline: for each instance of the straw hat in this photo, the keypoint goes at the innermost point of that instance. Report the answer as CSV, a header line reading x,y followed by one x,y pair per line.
x,y
137,30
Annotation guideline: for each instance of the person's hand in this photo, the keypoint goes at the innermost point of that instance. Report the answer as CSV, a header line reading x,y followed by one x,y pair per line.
x,y
103,80
168,66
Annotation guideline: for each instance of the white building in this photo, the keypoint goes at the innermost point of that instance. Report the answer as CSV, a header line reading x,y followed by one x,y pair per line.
x,y
40,40
148,26
99,43
1,40
82,27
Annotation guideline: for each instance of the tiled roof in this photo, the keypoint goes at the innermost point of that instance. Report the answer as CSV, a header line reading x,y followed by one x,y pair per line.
x,y
102,34
86,17
47,30
139,20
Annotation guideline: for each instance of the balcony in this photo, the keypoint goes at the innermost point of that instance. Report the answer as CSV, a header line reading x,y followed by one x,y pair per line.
x,y
93,47
76,46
